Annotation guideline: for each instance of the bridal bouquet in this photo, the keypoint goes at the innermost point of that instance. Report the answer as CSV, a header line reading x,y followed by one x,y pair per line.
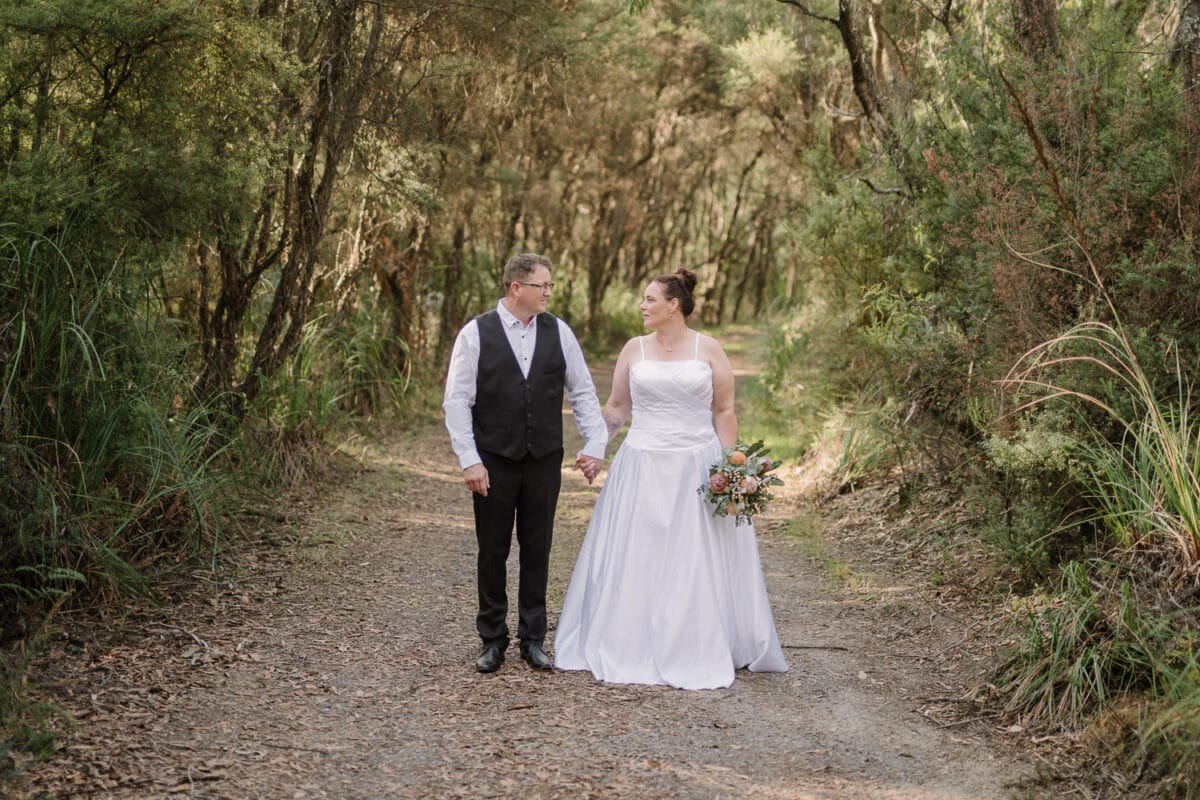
x,y
739,484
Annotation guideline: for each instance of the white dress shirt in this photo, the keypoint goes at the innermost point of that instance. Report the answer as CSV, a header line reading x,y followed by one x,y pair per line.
x,y
464,369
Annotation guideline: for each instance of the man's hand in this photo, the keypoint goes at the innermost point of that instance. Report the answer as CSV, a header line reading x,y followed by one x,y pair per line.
x,y
476,479
589,466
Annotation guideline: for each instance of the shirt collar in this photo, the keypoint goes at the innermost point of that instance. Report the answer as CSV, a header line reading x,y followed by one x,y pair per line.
x,y
508,319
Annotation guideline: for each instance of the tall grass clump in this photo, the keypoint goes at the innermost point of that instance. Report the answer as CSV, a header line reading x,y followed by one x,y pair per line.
x,y
1169,733
1121,628
107,478
1091,642
350,369
284,440
377,366
1144,484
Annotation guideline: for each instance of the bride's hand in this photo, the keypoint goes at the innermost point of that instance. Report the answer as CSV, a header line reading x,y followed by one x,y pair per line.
x,y
589,466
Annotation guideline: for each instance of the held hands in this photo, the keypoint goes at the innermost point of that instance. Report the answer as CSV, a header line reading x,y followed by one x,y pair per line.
x,y
589,466
476,475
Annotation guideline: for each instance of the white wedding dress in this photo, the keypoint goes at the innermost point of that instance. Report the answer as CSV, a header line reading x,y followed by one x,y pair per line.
x,y
663,592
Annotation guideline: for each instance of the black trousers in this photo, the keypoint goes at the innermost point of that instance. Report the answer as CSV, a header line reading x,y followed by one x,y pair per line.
x,y
525,491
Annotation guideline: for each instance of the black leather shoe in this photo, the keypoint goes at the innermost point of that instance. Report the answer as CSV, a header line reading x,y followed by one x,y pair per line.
x,y
490,659
535,656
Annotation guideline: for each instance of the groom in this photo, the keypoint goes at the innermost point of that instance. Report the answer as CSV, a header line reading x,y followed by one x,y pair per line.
x,y
503,404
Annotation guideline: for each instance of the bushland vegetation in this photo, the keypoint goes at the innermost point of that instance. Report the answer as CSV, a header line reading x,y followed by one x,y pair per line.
x,y
1003,279
230,229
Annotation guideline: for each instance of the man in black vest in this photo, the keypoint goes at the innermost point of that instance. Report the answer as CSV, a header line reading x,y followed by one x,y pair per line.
x,y
503,404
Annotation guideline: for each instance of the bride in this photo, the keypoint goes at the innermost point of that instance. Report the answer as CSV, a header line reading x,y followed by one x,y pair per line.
x,y
663,592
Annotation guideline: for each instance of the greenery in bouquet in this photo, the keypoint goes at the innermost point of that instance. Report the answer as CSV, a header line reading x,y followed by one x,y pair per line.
x,y
739,485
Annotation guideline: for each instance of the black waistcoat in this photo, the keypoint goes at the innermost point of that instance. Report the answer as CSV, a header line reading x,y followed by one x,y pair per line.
x,y
514,415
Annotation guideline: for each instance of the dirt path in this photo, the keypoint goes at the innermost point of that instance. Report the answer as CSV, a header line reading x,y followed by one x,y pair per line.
x,y
341,667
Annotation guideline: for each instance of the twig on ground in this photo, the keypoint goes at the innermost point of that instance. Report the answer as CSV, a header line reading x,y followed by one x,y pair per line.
x,y
957,723
966,635
195,638
814,647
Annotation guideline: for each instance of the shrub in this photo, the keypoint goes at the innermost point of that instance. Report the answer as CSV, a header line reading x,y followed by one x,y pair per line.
x,y
1088,644
106,475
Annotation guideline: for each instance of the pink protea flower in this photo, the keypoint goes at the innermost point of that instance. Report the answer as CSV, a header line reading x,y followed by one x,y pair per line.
x,y
718,483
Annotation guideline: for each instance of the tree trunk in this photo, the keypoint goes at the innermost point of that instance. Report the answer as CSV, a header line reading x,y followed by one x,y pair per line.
x,y
334,124
404,280
1037,28
289,226
453,303
865,84
862,76
605,241
1185,55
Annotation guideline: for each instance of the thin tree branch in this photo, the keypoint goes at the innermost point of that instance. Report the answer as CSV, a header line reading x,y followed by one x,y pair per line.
x,y
943,16
1044,159
806,11
877,190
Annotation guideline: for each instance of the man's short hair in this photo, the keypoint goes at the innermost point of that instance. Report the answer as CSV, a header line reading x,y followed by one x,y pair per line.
x,y
520,265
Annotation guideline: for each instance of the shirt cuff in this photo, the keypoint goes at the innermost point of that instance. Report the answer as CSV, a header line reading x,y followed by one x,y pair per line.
x,y
469,459
595,449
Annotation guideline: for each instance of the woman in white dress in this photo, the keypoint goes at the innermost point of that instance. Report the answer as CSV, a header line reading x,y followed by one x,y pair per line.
x,y
663,592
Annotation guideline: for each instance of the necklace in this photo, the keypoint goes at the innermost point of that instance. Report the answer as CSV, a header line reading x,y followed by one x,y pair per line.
x,y
673,345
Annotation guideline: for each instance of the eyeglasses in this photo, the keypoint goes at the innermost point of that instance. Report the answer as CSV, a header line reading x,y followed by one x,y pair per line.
x,y
548,286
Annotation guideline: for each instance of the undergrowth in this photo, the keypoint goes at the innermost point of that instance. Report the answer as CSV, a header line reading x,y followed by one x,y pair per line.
x,y
110,477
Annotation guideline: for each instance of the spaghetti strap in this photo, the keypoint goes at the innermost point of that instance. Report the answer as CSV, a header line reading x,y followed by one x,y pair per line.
x,y
696,354
642,346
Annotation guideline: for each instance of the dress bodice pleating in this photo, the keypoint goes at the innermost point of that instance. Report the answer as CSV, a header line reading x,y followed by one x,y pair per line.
x,y
672,405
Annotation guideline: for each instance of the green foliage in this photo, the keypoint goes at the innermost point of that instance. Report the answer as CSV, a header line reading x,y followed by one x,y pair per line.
x,y
758,417
763,62
104,479
1052,227
1170,729
620,320
1031,494
1086,646
805,374
120,120
1031,532
1145,486
1045,445
876,344
374,365
24,726
869,441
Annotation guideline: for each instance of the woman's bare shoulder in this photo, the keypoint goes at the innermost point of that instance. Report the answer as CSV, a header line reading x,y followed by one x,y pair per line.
x,y
628,351
710,345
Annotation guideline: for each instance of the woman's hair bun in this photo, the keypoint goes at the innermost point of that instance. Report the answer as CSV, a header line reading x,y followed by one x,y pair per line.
x,y
680,285
687,278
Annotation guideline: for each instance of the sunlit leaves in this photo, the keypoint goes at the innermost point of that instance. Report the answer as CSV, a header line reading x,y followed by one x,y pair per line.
x,y
761,64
